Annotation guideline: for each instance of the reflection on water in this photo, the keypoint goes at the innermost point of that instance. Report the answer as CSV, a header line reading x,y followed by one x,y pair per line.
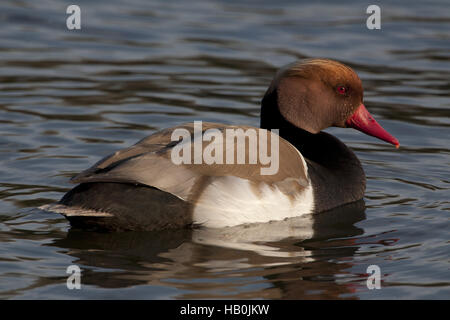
x,y
69,98
182,259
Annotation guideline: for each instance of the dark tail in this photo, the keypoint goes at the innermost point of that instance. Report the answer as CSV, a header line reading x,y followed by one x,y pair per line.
x,y
111,206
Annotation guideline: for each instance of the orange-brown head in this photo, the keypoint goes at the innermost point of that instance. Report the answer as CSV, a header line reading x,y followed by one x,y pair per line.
x,y
315,94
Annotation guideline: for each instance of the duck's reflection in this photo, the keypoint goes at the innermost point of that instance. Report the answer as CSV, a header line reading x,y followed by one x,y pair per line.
x,y
295,258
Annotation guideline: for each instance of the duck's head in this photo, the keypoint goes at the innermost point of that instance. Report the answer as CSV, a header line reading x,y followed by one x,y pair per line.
x,y
315,94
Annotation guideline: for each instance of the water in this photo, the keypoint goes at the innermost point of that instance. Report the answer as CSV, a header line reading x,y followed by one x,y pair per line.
x,y
67,98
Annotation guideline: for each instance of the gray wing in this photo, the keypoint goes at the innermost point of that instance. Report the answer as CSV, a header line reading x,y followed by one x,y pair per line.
x,y
148,162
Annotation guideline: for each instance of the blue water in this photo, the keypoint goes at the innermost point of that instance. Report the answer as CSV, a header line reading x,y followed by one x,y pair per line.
x,y
68,98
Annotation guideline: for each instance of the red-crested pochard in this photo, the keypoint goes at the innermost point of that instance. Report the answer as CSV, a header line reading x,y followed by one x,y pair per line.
x,y
142,188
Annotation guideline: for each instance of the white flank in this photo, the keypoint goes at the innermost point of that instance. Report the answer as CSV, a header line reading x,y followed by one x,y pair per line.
x,y
230,201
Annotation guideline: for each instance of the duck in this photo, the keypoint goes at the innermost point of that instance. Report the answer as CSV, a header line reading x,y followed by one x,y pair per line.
x,y
143,188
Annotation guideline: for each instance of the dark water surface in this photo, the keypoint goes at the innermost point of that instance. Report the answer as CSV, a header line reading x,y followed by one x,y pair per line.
x,y
67,98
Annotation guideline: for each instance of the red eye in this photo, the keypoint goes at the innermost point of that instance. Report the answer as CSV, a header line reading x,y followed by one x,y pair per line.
x,y
341,90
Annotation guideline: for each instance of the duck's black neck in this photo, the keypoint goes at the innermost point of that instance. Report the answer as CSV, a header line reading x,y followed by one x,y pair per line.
x,y
335,171
271,118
